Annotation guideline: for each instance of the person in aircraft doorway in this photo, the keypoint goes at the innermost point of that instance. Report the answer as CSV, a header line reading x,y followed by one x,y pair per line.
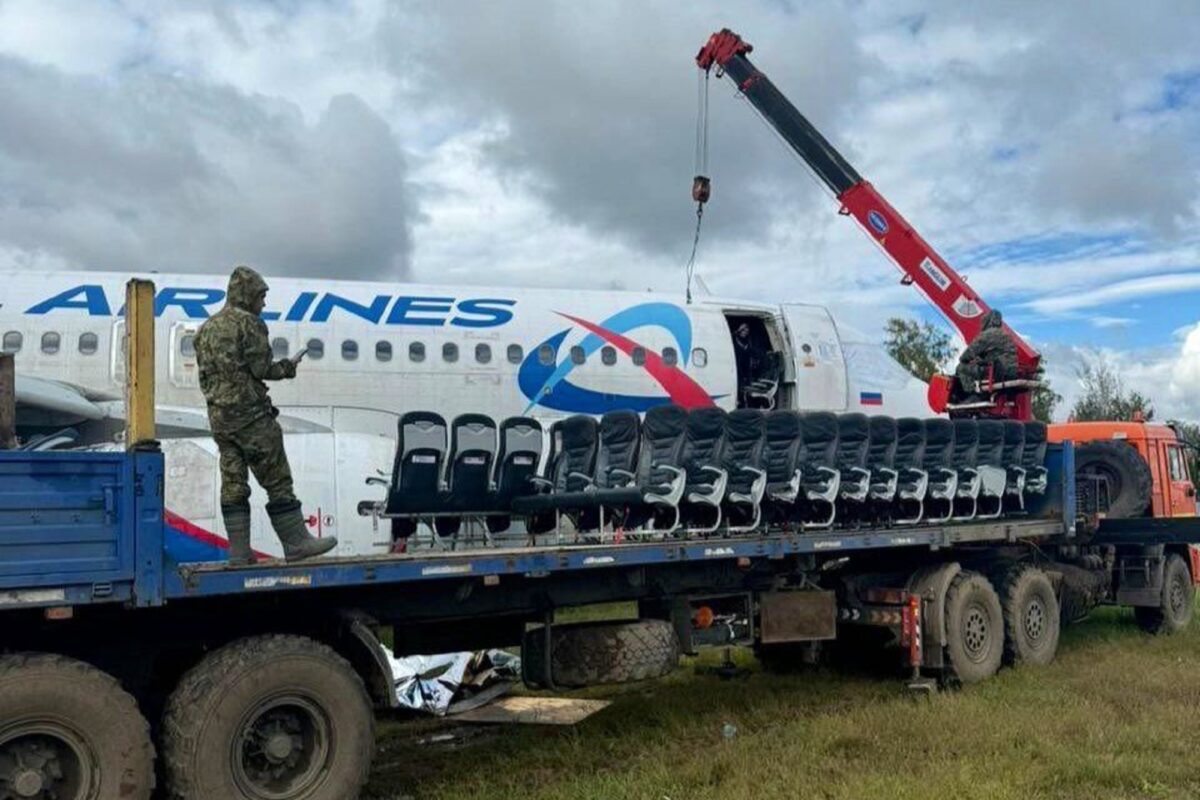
x,y
233,353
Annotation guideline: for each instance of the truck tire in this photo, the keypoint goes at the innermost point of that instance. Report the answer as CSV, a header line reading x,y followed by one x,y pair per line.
x,y
974,628
277,717
1125,472
601,652
1178,604
1032,621
69,730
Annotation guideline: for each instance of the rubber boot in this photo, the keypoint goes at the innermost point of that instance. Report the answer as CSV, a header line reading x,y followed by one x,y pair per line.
x,y
289,525
237,527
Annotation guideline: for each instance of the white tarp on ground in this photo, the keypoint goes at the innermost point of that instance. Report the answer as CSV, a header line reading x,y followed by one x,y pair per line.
x,y
432,684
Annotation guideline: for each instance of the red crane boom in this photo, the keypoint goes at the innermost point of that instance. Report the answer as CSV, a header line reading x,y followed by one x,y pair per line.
x,y
920,263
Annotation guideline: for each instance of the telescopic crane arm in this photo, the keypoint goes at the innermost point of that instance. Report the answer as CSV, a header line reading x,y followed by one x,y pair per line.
x,y
920,263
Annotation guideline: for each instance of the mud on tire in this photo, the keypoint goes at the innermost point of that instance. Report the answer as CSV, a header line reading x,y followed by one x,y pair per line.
x,y
974,628
1032,621
269,716
69,730
1123,470
601,652
1178,604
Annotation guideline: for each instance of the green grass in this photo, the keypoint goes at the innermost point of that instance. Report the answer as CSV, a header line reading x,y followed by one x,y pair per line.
x,y
1115,717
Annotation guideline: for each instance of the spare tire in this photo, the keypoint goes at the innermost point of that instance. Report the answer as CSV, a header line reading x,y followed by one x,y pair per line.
x,y
601,652
1125,472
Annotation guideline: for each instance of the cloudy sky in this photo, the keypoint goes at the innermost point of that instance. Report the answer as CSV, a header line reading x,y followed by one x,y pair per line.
x,y
1049,150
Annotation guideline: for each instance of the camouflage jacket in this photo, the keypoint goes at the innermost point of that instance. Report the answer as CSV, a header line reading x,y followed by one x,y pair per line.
x,y
233,352
992,347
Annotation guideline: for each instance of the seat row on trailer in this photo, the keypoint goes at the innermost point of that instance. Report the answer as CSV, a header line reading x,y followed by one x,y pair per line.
x,y
708,470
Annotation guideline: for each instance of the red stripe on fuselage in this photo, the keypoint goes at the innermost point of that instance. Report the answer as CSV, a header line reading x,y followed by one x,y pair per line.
x,y
680,387
199,534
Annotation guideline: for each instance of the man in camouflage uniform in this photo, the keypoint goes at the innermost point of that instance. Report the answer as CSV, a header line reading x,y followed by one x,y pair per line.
x,y
234,357
992,348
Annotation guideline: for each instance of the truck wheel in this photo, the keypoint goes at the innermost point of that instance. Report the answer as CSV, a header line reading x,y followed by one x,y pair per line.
x,y
269,718
1178,601
1032,621
974,628
1123,470
67,730
602,652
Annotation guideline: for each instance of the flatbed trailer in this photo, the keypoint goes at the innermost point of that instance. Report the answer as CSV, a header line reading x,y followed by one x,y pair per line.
x,y
259,681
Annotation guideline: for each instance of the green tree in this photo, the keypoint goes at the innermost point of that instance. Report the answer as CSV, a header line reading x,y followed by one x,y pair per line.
x,y
920,347
1045,399
1105,398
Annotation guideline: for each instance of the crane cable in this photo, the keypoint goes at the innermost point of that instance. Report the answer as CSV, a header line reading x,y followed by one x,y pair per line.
x,y
701,185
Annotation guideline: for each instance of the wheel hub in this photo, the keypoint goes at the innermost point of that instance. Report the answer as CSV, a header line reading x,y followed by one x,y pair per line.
x,y
41,763
1035,620
975,633
282,749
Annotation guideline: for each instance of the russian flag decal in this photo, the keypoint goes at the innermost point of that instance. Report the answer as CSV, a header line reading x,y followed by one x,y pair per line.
x,y
870,398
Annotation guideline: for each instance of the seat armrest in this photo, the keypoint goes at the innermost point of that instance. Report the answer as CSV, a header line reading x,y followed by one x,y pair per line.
x,y
541,482
377,482
588,479
755,471
623,473
860,471
887,472
716,471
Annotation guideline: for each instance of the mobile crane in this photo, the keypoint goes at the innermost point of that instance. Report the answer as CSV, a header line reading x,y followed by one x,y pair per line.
x,y
1129,469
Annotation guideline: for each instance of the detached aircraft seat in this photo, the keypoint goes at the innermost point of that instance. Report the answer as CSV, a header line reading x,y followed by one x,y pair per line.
x,y
989,463
850,459
610,483
966,447
912,480
881,460
661,478
516,465
782,450
416,485
937,462
703,450
761,392
745,439
1033,458
570,470
468,484
1014,448
820,480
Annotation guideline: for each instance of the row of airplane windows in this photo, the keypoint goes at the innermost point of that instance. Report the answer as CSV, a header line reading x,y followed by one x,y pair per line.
x,y
89,344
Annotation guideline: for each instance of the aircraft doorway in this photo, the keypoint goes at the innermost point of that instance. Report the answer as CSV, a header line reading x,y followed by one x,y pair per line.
x,y
759,361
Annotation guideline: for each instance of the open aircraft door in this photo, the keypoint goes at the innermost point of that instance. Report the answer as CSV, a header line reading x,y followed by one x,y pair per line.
x,y
816,366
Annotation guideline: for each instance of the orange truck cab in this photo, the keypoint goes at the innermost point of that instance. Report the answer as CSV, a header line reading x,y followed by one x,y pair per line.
x,y
1172,493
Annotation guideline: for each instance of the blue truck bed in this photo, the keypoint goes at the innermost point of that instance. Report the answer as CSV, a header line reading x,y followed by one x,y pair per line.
x,y
87,527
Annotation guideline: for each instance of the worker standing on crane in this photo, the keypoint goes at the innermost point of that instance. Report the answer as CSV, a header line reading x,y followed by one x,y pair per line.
x,y
993,353
233,353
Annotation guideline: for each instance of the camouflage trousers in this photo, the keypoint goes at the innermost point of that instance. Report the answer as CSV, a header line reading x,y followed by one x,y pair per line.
x,y
256,448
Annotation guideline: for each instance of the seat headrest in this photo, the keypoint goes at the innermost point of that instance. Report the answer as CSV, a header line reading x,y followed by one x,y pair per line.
x,y
706,422
991,431
578,430
883,429
965,431
938,431
819,426
1035,432
619,427
853,427
783,424
1014,431
910,426
664,422
745,423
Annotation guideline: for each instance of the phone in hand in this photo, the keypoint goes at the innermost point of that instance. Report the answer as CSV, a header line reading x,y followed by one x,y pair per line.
x,y
299,356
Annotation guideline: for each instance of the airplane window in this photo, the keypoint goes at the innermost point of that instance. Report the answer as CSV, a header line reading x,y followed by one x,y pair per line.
x,y
515,354
50,342
316,349
89,343
577,355
450,352
416,352
639,356
699,357
350,350
383,351
483,353
670,356
280,347
12,342
546,355
187,346
608,355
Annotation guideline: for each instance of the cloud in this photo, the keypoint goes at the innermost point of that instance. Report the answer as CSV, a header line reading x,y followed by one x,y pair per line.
x,y
160,172
1117,292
